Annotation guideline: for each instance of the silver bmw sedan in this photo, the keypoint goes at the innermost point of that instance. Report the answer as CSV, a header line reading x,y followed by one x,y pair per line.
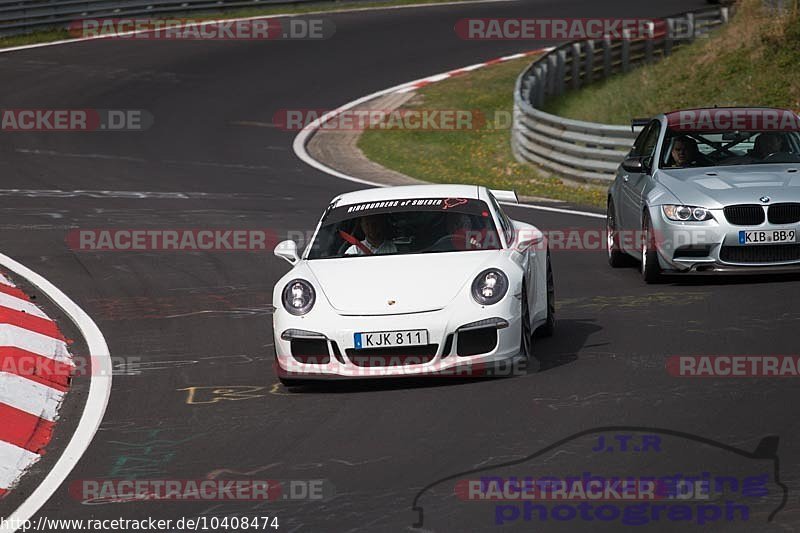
x,y
709,190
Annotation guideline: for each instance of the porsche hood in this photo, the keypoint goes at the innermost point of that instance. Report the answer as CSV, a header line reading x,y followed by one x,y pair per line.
x,y
396,284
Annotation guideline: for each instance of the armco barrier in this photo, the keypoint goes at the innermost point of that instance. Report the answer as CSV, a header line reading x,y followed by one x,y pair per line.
x,y
588,150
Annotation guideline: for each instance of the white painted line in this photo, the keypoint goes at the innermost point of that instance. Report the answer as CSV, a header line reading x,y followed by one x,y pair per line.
x,y
513,56
96,400
558,210
438,77
13,461
30,396
472,67
17,337
302,138
410,89
257,17
18,304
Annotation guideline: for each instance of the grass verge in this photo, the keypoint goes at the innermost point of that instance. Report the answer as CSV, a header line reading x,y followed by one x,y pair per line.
x,y
46,36
751,61
482,155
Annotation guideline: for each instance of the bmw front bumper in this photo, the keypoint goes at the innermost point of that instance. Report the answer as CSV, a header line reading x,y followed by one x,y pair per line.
x,y
714,246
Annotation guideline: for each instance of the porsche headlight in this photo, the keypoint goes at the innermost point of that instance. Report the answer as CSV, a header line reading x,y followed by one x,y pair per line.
x,y
298,297
490,286
686,213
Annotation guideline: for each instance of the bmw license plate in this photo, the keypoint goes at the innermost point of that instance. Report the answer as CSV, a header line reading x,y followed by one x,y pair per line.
x,y
770,236
384,339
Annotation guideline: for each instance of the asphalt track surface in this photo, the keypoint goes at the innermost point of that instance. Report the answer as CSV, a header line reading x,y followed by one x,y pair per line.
x,y
203,320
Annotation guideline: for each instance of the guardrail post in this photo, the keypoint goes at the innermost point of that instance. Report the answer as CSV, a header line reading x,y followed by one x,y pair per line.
x,y
561,60
606,56
552,68
541,80
668,36
588,67
626,50
648,43
539,88
690,26
576,65
724,14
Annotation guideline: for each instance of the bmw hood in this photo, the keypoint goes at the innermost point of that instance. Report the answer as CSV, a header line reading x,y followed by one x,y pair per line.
x,y
716,187
365,285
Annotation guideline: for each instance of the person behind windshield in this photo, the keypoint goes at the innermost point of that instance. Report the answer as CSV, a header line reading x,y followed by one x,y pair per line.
x,y
685,154
767,144
459,228
377,237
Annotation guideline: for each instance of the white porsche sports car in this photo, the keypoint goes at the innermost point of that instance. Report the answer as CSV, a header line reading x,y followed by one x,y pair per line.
x,y
404,281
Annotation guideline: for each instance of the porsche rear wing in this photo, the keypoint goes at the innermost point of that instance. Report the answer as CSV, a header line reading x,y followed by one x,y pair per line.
x,y
505,196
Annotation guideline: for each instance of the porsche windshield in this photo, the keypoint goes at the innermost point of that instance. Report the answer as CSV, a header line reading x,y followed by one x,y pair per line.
x,y
407,226
686,149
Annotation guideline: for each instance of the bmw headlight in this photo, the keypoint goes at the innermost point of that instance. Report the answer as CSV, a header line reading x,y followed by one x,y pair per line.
x,y
298,297
686,213
490,286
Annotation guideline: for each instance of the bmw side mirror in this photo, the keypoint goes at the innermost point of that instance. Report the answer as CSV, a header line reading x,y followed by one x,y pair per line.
x,y
287,250
633,164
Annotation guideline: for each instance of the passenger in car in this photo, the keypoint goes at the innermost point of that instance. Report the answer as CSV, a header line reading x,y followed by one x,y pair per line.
x,y
459,228
768,143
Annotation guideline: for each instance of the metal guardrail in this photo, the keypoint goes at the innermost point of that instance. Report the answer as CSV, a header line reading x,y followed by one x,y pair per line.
x,y
24,16
587,150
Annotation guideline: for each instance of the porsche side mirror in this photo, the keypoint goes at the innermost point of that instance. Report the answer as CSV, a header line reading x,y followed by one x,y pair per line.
x,y
528,238
634,164
287,250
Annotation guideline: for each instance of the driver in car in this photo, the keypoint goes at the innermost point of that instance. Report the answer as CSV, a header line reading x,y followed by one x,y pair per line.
x,y
376,241
685,154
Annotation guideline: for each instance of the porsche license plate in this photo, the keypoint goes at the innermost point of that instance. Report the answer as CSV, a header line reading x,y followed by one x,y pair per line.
x,y
767,236
384,339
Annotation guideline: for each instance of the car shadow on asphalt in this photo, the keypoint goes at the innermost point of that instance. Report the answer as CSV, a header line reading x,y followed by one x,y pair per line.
x,y
564,346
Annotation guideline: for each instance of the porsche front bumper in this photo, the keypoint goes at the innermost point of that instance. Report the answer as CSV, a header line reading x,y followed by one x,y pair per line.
x,y
323,346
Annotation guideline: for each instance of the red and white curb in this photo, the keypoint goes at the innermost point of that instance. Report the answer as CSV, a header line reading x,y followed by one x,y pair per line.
x,y
35,370
35,335
418,84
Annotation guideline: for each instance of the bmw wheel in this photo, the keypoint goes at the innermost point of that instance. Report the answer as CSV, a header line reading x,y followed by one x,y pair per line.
x,y
651,269
616,257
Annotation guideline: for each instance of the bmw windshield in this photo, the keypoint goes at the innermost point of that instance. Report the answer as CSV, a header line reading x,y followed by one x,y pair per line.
x,y
725,137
